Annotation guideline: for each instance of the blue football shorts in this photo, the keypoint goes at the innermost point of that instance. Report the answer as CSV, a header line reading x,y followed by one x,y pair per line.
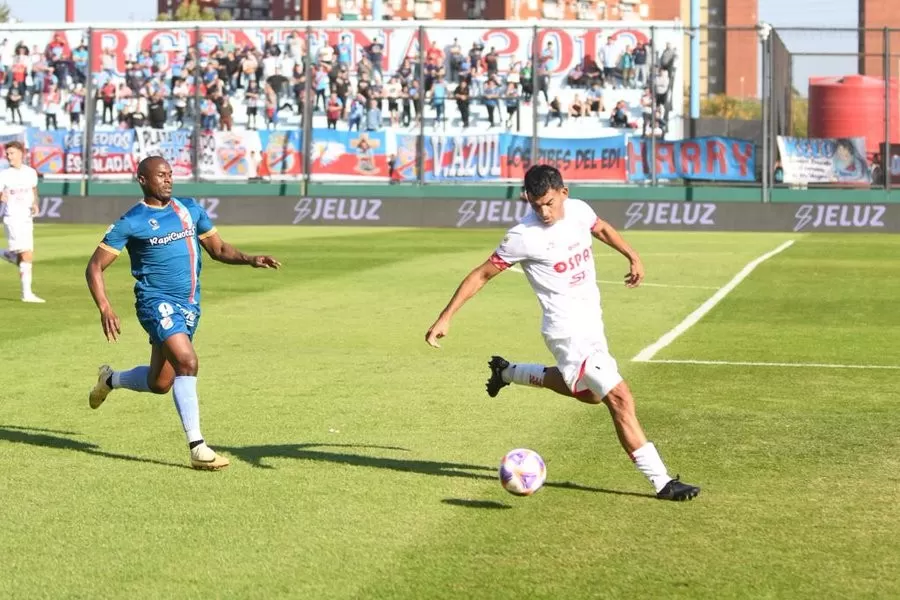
x,y
162,318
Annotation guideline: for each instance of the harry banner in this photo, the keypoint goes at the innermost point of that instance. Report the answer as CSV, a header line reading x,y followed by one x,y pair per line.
x,y
707,158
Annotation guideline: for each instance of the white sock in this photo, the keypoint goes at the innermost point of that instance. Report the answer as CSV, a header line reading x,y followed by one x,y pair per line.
x,y
524,374
648,462
185,392
25,275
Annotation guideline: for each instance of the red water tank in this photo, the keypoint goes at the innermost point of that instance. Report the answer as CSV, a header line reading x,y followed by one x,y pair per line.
x,y
852,106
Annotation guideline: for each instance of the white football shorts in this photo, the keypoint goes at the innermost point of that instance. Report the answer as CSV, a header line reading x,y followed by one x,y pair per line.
x,y
586,364
19,234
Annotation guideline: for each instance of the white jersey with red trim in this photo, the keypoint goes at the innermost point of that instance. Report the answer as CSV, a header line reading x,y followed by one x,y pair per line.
x,y
17,186
558,261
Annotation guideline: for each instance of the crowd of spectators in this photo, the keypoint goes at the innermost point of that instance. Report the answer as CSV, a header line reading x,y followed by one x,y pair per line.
x,y
210,84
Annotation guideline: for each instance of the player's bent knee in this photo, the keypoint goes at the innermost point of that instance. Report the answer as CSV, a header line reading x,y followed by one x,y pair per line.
x,y
589,397
160,387
186,365
601,375
619,398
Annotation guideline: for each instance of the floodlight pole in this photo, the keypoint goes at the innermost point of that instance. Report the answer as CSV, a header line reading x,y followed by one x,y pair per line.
x,y
763,30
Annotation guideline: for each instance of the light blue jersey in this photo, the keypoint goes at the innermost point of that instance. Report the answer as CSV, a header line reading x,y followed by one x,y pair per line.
x,y
164,247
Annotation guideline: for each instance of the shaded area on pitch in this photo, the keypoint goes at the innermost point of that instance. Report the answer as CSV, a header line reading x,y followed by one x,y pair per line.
x,y
333,453
49,438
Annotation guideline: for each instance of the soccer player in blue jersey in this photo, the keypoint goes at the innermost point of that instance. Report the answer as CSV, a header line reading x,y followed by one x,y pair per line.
x,y
163,236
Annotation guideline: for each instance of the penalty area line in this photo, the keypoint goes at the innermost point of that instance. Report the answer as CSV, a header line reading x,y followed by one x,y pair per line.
x,y
689,321
741,363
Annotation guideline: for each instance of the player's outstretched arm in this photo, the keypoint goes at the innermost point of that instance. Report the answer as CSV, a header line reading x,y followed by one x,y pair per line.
x,y
100,260
223,252
607,234
470,286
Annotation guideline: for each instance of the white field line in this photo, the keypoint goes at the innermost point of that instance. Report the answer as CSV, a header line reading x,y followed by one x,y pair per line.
x,y
689,321
738,363
518,269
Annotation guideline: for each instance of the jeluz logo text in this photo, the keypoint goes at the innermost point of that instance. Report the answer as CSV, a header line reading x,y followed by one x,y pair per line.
x,y
172,237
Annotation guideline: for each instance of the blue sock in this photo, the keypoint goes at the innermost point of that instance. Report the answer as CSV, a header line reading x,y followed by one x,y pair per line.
x,y
135,379
188,405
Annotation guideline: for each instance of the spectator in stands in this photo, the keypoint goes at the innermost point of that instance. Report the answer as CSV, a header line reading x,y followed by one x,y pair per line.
x,y
13,100
660,85
52,105
333,111
375,53
667,61
373,116
555,111
180,94
225,110
491,98
456,59
619,117
322,85
253,99
626,65
438,95
609,60
345,52
527,79
595,99
414,101
576,107
462,95
512,105
357,112
75,106
392,92
641,68
156,111
492,62
547,62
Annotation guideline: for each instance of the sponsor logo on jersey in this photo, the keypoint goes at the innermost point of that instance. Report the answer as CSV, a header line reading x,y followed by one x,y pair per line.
x,y
857,216
173,237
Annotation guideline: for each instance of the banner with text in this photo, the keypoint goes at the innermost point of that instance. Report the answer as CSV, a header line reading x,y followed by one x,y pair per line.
x,y
824,160
707,158
486,157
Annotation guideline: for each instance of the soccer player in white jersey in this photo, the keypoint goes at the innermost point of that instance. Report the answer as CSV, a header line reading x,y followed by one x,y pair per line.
x,y
553,245
19,196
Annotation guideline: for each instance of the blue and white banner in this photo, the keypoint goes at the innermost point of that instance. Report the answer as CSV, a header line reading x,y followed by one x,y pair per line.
x,y
824,160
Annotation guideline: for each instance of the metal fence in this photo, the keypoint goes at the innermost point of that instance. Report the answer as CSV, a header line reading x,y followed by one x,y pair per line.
x,y
614,103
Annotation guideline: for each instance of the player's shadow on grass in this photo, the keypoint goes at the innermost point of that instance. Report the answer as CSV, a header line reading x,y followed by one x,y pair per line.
x,y
34,436
255,455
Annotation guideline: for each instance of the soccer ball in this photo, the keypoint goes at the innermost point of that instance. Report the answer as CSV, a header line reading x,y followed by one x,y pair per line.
x,y
522,472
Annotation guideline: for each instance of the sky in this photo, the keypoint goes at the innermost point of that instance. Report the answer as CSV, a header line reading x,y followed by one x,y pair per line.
x,y
779,13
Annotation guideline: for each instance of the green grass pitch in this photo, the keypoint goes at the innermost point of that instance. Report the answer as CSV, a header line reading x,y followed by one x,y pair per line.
x,y
364,462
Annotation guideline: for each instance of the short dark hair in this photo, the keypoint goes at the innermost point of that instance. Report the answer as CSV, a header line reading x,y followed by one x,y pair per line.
x,y
540,179
17,145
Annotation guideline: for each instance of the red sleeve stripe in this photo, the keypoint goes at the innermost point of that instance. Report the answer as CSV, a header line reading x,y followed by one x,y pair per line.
x,y
499,262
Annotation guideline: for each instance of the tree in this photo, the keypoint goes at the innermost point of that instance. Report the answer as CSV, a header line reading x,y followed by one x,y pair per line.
x,y
5,13
190,10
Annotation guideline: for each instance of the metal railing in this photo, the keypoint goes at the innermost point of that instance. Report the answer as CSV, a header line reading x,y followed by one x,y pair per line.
x,y
758,104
